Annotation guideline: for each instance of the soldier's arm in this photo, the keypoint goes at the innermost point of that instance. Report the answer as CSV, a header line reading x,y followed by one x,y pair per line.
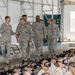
x,y
30,31
58,32
2,29
17,32
12,33
32,27
47,30
44,30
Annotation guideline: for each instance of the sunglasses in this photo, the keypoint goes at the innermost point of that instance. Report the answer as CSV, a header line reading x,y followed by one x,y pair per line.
x,y
55,58
59,61
74,66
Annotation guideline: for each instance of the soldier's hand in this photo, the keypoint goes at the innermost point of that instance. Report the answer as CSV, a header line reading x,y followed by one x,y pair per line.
x,y
52,39
44,40
17,41
5,28
30,40
58,37
17,33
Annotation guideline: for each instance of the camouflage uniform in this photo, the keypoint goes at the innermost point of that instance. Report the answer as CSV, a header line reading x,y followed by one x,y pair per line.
x,y
53,34
25,33
6,39
28,46
40,32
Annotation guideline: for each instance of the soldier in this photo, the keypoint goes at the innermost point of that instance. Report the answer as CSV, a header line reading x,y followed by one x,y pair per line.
x,y
23,34
27,23
40,32
53,34
25,18
6,32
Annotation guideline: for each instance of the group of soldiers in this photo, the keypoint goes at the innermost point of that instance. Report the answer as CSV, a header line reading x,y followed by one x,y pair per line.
x,y
25,32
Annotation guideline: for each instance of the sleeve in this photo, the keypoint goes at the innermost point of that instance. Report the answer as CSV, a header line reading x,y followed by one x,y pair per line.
x,y
48,31
12,33
44,30
17,30
58,32
31,34
1,29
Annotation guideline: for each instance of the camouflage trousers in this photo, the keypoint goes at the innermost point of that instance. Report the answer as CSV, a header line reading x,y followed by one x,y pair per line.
x,y
52,45
38,46
23,45
28,50
6,47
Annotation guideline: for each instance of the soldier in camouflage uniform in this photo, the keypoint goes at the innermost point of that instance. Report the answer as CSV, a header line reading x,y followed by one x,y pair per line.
x,y
40,32
53,34
6,32
27,23
23,34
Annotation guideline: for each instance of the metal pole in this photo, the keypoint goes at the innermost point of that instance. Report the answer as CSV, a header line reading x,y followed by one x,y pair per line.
x,y
62,17
30,4
58,6
1,19
21,9
42,9
52,8
33,10
7,7
4,2
48,4
45,15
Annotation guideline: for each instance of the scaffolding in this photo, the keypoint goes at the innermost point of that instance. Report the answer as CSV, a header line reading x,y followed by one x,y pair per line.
x,y
62,20
24,8
5,5
51,8
31,3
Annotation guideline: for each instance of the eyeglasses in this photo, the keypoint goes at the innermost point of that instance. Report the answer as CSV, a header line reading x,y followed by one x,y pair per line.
x,y
74,66
59,61
55,58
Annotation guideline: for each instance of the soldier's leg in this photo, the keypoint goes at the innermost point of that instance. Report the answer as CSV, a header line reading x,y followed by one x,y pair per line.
x,y
55,43
50,45
25,44
53,46
21,47
35,42
40,47
28,50
36,46
8,46
3,48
